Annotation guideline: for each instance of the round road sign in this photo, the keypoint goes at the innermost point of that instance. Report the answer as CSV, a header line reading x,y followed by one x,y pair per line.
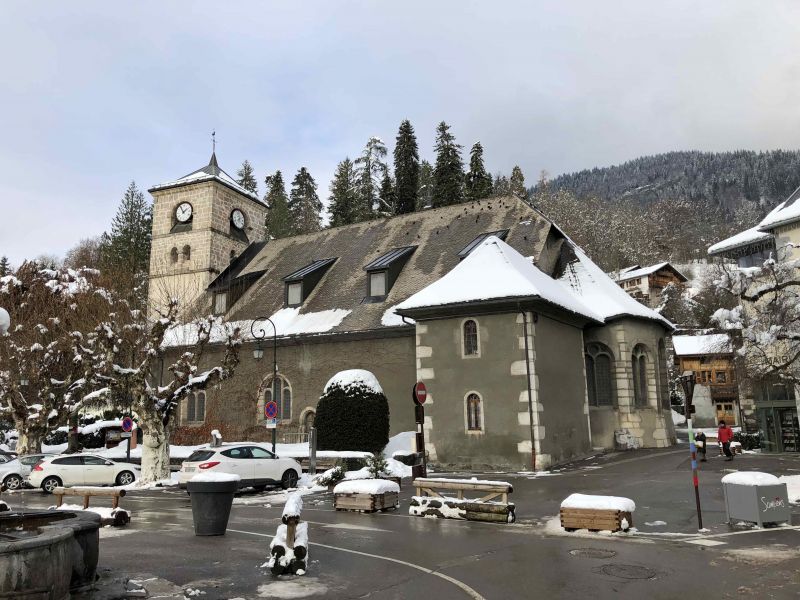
x,y
420,393
271,410
127,424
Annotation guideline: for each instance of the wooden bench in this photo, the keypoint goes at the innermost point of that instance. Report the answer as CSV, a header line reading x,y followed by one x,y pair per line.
x,y
434,497
121,517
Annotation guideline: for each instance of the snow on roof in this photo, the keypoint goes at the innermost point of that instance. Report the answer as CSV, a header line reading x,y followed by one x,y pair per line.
x,y
211,171
493,271
751,478
596,289
586,501
288,321
355,377
632,273
695,345
786,212
743,238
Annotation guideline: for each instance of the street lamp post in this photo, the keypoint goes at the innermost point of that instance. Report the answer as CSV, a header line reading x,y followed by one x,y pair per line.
x,y
259,333
687,382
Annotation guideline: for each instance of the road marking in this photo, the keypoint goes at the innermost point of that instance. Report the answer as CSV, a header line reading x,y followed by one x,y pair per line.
x,y
347,526
464,587
703,542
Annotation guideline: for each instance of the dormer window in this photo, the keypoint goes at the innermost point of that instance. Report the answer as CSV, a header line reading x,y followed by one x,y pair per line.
x,y
220,303
302,282
384,270
500,234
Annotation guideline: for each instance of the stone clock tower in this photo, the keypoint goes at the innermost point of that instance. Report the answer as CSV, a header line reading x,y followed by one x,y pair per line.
x,y
201,222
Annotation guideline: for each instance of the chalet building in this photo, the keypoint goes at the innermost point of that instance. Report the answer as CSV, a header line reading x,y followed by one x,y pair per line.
x,y
647,283
716,395
525,345
776,236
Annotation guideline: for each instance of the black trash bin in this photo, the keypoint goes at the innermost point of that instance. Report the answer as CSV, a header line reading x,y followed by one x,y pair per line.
x,y
211,505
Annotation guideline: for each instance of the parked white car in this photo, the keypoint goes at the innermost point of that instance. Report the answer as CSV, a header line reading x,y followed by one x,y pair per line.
x,y
80,469
14,473
257,466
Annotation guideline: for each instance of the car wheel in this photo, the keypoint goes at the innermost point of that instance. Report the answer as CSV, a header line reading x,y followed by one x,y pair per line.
x,y
13,482
289,479
125,478
50,484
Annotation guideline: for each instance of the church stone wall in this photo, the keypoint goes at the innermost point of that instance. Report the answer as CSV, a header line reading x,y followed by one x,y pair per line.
x,y
234,407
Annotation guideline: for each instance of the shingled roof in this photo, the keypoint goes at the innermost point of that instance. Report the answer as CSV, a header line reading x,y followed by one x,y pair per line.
x,y
438,234
212,171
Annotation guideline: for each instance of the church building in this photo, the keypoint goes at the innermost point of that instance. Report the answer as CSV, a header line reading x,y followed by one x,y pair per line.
x,y
530,352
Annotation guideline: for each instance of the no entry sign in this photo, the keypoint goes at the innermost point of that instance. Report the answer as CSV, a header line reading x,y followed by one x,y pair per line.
x,y
271,410
127,424
420,393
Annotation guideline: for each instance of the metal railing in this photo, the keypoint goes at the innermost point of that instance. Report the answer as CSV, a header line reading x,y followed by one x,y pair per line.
x,y
293,437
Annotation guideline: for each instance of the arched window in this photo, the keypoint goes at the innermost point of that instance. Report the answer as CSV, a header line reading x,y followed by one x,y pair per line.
x,y
308,420
196,407
663,378
474,412
639,368
282,394
173,255
599,382
187,252
470,341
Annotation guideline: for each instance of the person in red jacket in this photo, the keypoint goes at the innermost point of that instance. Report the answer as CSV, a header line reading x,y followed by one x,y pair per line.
x,y
725,437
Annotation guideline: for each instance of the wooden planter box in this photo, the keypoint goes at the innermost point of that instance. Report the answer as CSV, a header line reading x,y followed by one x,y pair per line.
x,y
366,502
594,519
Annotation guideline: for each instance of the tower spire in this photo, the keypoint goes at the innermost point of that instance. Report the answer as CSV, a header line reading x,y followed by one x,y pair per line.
x,y
213,161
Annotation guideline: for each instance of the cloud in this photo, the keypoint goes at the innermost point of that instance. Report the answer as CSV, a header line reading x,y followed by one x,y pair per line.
x,y
95,96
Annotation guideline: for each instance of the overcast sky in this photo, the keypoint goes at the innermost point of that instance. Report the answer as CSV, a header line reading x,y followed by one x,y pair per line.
x,y
94,96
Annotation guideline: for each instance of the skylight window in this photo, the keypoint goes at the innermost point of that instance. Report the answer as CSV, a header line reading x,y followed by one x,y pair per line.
x,y
500,234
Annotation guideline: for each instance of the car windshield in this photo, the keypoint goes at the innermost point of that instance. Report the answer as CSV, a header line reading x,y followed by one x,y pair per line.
x,y
200,455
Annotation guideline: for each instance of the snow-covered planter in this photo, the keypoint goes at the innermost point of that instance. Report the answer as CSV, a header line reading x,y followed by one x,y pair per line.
x,y
756,497
366,495
597,513
491,506
289,548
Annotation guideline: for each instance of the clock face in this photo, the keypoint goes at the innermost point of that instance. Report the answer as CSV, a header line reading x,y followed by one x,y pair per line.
x,y
184,212
237,217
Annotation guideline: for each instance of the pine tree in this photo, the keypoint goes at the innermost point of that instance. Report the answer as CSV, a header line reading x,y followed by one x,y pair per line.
x,y
517,183
448,174
5,266
425,190
125,250
304,204
406,169
279,223
501,186
477,182
246,177
370,170
387,198
343,201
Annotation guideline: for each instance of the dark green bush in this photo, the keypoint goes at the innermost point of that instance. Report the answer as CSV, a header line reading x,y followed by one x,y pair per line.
x,y
353,417
749,441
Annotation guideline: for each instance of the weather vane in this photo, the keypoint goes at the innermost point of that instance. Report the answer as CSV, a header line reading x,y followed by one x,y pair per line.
x,y
213,141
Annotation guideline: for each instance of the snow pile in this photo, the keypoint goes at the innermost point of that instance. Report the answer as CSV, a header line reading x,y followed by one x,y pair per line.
x,y
293,507
405,442
391,319
366,486
656,524
750,478
677,418
212,477
585,501
792,487
395,468
355,378
494,270
695,345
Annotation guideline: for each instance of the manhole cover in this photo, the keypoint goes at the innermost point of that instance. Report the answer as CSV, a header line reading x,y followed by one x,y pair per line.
x,y
592,553
628,571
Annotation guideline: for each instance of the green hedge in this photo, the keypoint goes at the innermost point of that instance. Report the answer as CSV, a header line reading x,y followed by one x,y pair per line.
x,y
355,417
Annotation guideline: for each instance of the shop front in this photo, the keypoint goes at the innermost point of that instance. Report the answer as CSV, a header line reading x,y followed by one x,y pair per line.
x,y
776,412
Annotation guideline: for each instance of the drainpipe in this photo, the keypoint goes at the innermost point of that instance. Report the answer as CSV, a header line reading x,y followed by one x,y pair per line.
x,y
530,393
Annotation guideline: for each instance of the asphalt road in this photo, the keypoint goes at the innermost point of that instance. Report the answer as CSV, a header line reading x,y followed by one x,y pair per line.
x,y
393,555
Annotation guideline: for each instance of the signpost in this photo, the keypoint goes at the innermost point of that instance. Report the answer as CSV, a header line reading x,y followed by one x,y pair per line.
x,y
688,381
420,395
271,414
127,427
